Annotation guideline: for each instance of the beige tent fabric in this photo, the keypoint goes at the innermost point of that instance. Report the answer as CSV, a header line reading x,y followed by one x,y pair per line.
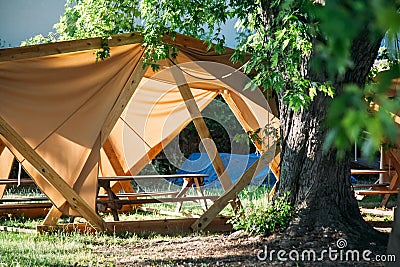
x,y
58,104
157,113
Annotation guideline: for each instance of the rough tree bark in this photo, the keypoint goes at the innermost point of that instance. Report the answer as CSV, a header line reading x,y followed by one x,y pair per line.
x,y
318,183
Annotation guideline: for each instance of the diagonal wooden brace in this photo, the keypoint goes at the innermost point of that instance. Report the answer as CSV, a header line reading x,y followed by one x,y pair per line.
x,y
232,193
76,202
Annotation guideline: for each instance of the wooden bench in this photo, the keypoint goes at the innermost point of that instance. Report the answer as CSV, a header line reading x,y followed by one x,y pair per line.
x,y
385,189
114,202
373,186
364,172
377,192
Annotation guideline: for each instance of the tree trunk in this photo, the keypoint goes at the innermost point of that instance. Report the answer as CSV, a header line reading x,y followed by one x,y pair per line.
x,y
318,183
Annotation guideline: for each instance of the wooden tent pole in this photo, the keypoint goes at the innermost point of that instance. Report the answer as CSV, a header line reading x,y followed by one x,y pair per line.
x,y
115,161
6,159
55,213
76,202
202,130
239,114
2,147
219,204
52,216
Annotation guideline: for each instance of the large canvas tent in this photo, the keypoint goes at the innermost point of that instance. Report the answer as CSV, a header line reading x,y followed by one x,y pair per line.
x,y
68,119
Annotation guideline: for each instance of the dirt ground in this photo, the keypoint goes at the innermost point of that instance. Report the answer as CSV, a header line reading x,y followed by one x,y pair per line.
x,y
240,249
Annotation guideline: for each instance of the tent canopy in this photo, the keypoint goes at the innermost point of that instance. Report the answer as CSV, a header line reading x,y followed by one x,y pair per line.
x,y
58,108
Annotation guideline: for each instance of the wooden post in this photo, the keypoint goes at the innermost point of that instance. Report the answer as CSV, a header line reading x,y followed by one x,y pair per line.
x,y
2,147
239,114
394,183
6,162
76,202
232,193
115,162
202,130
52,216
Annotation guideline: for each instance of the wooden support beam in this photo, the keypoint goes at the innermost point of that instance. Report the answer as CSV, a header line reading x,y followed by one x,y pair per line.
x,y
2,147
54,179
113,157
6,163
394,183
165,226
276,170
241,117
123,99
202,130
52,216
116,164
232,193
26,52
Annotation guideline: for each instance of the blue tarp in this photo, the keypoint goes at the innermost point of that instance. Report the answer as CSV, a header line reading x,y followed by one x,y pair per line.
x,y
235,164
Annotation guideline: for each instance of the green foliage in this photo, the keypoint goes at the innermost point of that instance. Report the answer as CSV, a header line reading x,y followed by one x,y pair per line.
x,y
201,19
104,51
87,18
356,112
19,221
264,217
353,112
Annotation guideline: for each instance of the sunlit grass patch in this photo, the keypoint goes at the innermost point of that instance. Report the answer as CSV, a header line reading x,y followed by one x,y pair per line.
x,y
19,249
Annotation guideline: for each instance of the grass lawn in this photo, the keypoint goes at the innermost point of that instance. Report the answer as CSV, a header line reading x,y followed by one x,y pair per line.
x,y
60,249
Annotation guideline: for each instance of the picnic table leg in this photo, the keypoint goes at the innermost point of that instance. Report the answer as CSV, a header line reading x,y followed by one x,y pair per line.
x,y
200,193
114,210
185,187
394,183
111,196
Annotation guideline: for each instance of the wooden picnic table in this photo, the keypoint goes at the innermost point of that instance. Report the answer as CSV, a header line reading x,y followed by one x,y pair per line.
x,y
377,188
114,201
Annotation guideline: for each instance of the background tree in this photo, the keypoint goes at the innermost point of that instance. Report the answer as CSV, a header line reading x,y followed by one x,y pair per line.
x,y
308,53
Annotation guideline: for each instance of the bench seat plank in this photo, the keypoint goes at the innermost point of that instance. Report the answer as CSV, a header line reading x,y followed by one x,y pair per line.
x,y
142,194
376,192
153,200
374,171
23,199
371,185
